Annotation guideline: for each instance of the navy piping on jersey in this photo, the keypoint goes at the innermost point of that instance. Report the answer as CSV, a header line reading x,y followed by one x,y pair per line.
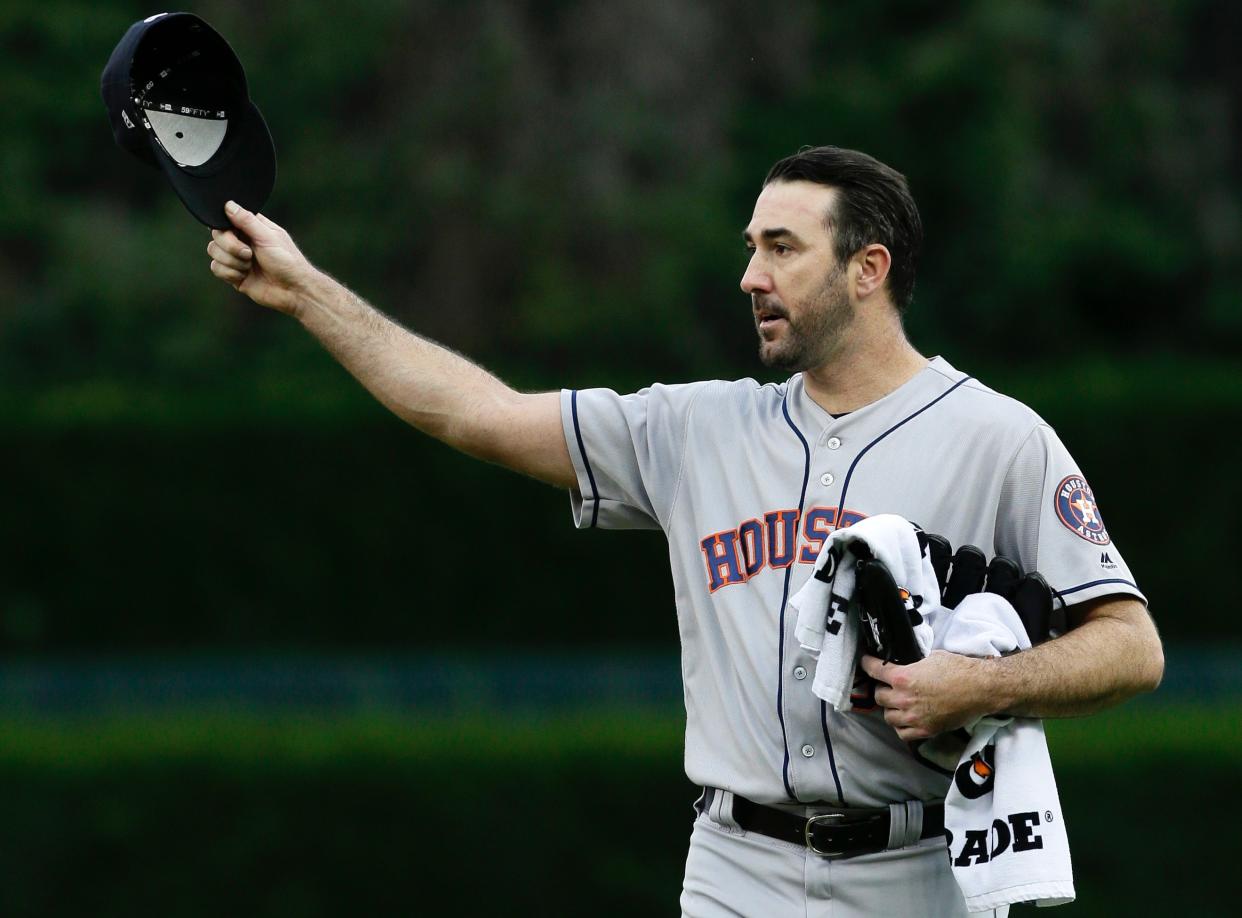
x,y
832,759
780,647
573,401
853,465
1085,586
841,509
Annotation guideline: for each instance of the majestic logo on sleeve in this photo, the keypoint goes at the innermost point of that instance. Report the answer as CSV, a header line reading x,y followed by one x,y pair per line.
x,y
1077,510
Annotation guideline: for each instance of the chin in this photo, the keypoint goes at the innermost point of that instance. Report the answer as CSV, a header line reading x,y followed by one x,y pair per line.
x,y
775,359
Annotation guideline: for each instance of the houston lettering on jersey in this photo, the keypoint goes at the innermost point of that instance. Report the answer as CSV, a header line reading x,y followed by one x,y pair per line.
x,y
772,542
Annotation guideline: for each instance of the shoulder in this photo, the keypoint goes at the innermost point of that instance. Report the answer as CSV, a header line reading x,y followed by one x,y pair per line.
x,y
973,405
742,398
718,392
712,399
708,405
713,395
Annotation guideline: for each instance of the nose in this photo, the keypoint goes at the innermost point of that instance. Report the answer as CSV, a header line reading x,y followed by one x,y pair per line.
x,y
756,279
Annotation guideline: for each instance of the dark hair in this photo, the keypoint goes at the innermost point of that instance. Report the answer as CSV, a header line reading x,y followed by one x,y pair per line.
x,y
873,205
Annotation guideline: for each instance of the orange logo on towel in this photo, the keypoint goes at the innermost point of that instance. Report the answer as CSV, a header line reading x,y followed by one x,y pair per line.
x,y
976,776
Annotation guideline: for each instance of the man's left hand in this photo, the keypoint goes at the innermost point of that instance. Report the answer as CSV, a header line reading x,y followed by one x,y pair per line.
x,y
941,692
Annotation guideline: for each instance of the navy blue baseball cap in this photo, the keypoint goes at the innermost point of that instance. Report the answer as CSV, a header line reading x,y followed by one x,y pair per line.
x,y
177,99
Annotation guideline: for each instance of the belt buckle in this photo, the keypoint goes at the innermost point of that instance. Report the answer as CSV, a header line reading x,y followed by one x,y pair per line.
x,y
810,825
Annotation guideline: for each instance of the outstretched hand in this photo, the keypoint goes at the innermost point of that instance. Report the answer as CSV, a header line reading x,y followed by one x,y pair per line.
x,y
941,692
259,259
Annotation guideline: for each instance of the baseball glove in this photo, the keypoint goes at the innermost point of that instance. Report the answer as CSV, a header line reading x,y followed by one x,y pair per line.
x,y
968,572
888,614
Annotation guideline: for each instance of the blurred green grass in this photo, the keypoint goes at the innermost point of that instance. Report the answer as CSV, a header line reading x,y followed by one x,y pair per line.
x,y
293,739
1136,731
1150,731
198,813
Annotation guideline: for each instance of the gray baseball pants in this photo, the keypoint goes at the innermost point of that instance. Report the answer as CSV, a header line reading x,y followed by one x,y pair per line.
x,y
731,873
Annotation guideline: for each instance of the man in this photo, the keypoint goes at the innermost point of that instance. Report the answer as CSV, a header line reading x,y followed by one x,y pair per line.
x,y
747,481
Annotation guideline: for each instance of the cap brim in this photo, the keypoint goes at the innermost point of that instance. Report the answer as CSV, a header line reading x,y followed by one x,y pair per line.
x,y
245,172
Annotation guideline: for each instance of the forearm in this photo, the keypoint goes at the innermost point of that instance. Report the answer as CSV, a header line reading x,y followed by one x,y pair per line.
x,y
425,384
429,386
1102,662
1113,654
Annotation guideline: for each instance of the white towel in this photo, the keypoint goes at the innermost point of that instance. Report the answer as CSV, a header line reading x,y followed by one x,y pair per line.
x,y
1008,845
1007,840
826,631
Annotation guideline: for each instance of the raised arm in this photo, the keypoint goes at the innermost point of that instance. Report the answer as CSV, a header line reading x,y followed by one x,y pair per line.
x,y
429,386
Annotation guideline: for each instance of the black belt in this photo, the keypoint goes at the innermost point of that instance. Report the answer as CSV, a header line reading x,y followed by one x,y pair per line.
x,y
840,833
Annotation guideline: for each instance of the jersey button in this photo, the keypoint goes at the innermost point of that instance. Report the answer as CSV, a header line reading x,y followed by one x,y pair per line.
x,y
833,443
808,750
799,672
826,479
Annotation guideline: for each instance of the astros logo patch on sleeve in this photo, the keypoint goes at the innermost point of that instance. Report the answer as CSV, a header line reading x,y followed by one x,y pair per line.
x,y
1077,510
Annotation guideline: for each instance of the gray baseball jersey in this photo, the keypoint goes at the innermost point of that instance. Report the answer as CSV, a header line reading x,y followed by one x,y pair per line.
x,y
747,480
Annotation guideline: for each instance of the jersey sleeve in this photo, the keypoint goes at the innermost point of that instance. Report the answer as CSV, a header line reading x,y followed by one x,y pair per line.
x,y
1048,520
628,452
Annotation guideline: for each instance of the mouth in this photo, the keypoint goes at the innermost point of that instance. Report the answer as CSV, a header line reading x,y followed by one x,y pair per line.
x,y
768,319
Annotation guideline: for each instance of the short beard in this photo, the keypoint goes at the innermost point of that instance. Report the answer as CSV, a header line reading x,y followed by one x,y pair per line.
x,y
818,335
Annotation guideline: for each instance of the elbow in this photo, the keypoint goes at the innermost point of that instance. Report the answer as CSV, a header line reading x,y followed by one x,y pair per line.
x,y
478,430
1150,669
1146,651
1153,669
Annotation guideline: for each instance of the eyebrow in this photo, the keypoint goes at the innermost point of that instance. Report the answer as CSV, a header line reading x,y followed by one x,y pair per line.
x,y
773,233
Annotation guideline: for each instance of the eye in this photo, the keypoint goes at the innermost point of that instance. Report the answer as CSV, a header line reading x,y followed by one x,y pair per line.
x,y
781,249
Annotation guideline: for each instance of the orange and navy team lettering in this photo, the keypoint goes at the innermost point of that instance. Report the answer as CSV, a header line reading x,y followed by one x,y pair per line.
x,y
772,543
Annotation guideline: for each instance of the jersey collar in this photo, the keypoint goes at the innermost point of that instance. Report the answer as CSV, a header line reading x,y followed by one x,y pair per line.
x,y
814,421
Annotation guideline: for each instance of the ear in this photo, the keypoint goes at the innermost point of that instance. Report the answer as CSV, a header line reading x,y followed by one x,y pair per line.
x,y
873,264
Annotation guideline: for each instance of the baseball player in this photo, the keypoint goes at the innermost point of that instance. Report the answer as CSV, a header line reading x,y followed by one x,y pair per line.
x,y
804,811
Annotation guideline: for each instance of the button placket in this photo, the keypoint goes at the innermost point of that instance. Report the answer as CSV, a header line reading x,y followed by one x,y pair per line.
x,y
806,768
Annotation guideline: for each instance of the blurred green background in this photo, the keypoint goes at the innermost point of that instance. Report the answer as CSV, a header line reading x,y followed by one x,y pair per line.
x,y
557,190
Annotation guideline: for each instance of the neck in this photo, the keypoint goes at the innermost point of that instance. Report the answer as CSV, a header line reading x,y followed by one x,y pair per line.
x,y
871,364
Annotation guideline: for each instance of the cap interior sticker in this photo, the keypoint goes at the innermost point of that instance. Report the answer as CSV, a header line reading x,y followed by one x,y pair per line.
x,y
191,138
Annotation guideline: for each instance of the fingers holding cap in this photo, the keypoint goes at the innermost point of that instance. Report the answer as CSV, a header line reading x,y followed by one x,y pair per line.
x,y
225,273
253,226
230,243
230,253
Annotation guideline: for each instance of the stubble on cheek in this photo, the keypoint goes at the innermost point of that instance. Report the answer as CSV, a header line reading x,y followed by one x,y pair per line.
x,y
786,350
818,332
